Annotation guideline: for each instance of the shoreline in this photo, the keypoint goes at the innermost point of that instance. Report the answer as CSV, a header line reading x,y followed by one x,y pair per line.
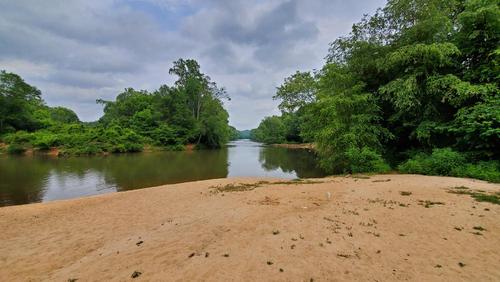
x,y
384,227
309,146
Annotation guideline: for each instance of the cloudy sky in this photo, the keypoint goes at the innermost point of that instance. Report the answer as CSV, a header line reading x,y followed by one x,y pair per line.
x,y
80,50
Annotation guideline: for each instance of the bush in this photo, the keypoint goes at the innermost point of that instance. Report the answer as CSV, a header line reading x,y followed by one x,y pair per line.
x,y
20,137
45,140
440,162
450,163
489,171
365,160
165,135
16,149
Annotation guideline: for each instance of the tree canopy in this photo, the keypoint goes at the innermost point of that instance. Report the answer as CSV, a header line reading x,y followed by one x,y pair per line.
x,y
190,111
416,76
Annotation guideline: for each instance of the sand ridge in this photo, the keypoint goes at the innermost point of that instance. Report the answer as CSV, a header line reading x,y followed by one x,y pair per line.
x,y
376,228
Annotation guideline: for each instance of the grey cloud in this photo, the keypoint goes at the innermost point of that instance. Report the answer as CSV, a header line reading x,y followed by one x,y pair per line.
x,y
81,50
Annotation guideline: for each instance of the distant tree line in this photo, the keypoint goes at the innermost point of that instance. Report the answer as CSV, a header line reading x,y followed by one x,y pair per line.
x,y
190,111
413,87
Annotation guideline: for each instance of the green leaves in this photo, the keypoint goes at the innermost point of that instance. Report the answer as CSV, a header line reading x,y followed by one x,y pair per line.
x,y
417,75
297,91
190,111
419,59
457,92
478,126
271,130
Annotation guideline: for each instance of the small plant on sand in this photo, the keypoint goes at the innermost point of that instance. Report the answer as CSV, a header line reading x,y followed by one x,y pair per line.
x,y
479,228
428,203
238,187
296,182
405,193
343,255
360,176
476,195
232,187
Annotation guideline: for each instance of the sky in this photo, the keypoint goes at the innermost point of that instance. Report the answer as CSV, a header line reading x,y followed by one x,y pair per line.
x,y
81,50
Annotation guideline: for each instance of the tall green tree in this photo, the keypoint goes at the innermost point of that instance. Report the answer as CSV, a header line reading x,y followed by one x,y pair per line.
x,y
18,100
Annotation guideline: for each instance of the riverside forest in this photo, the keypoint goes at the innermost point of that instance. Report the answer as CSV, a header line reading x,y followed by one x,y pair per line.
x,y
283,140
413,88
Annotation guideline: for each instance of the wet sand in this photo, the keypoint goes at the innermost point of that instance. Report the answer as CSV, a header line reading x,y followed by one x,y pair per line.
x,y
385,227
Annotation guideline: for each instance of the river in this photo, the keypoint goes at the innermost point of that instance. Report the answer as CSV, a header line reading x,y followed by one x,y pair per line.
x,y
41,178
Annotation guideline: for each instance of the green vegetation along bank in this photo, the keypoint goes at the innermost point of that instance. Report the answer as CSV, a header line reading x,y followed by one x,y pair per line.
x,y
413,87
190,111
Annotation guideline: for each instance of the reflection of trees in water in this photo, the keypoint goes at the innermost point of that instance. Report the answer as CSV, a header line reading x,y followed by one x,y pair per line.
x,y
301,161
23,179
152,169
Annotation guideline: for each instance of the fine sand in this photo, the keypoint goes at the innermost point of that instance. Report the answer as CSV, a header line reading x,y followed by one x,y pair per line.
x,y
386,227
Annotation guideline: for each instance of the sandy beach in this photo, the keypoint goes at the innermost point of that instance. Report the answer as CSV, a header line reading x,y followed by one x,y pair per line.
x,y
376,228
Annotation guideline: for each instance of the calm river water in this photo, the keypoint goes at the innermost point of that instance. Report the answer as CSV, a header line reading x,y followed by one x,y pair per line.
x,y
26,180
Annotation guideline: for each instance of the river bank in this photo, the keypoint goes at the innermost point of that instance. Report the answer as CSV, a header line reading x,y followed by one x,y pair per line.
x,y
309,146
386,227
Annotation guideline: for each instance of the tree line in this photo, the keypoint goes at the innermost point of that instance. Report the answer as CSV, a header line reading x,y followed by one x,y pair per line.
x,y
413,87
190,111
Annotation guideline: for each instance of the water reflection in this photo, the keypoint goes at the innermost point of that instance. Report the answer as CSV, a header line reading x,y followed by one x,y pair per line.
x,y
42,178
300,162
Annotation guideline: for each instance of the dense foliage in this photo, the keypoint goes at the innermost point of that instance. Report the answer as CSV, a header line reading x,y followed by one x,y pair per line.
x,y
417,76
191,111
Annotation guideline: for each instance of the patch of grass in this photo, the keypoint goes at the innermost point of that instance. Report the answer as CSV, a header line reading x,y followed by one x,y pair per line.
x,y
360,176
381,180
239,187
405,193
479,228
296,182
428,203
494,199
231,187
478,196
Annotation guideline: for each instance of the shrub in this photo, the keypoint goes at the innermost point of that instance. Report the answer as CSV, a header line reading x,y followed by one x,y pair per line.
x,y
20,137
16,149
450,163
489,171
440,162
365,160
45,140
165,135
